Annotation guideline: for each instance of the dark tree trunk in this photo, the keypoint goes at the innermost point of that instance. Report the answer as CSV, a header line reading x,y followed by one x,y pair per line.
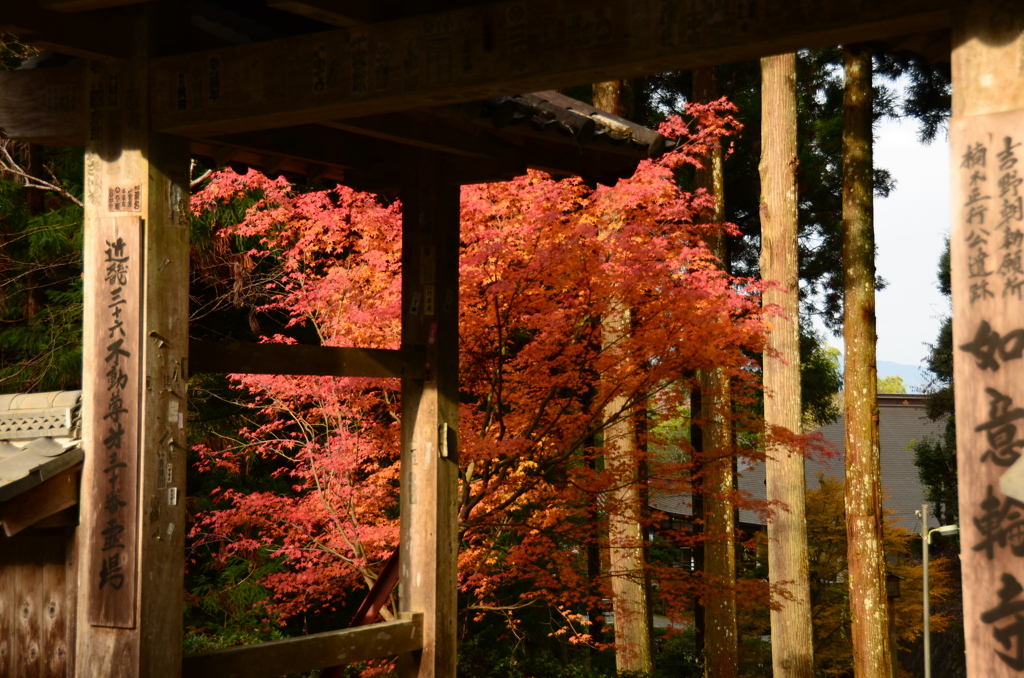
x,y
720,635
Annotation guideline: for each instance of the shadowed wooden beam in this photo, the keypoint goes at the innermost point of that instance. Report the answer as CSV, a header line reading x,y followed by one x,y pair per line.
x,y
41,502
84,5
336,12
426,131
90,36
307,653
326,361
492,50
44,105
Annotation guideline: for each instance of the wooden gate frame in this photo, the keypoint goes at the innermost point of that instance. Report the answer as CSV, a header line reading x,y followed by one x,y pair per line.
x,y
137,138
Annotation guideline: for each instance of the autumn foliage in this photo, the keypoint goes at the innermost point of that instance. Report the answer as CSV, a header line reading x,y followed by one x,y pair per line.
x,y
542,262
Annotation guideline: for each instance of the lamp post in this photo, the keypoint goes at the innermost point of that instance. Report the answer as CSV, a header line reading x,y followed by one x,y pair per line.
x,y
926,540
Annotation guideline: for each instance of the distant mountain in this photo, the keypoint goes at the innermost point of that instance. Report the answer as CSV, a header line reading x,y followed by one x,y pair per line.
x,y
916,377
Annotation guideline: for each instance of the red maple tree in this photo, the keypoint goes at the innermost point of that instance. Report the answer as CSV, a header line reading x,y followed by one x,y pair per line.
x,y
541,261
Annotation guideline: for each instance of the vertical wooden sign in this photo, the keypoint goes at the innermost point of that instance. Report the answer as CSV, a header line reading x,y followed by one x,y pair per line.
x,y
988,335
114,344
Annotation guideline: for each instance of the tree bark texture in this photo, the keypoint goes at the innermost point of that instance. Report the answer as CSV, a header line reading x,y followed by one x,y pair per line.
x,y
721,648
792,637
866,559
633,647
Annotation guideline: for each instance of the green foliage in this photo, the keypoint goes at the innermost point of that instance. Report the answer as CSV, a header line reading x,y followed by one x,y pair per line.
x,y
936,459
41,290
820,378
891,385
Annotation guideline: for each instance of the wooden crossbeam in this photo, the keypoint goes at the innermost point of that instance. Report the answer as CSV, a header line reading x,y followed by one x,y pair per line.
x,y
326,361
491,50
307,653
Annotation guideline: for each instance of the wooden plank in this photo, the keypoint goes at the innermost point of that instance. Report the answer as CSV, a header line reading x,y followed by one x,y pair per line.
x,y
92,36
307,653
28,585
54,624
8,605
113,367
42,501
987,238
44,105
123,157
430,413
491,50
328,361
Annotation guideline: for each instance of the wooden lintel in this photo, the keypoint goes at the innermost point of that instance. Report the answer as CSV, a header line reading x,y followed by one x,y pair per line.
x,y
325,361
307,653
99,35
429,132
41,502
336,12
491,50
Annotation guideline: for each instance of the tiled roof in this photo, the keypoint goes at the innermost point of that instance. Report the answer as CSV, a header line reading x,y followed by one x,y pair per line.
x,y
40,436
902,419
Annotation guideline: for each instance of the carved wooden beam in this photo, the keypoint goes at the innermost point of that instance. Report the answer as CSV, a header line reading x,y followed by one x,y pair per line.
x,y
307,653
498,49
327,361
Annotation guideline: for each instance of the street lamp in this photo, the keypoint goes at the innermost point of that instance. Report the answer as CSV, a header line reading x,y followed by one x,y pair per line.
x,y
926,540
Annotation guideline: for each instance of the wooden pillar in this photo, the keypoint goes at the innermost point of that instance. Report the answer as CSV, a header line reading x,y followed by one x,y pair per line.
x,y
430,413
130,569
987,237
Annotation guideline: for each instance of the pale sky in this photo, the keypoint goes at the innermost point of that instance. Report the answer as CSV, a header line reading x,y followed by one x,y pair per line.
x,y
911,226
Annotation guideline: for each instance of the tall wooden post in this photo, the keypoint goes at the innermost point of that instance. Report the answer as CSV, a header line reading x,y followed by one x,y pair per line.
x,y
130,569
430,413
987,238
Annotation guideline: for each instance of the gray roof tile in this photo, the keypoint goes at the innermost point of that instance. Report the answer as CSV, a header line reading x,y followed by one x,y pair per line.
x,y
39,437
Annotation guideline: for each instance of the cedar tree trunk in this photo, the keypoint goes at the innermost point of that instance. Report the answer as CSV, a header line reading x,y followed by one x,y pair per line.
x,y
792,638
622,459
720,636
866,559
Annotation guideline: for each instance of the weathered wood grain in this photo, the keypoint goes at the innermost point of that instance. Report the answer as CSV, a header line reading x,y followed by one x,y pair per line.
x,y
988,309
503,48
53,612
430,413
44,500
306,653
328,361
28,584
